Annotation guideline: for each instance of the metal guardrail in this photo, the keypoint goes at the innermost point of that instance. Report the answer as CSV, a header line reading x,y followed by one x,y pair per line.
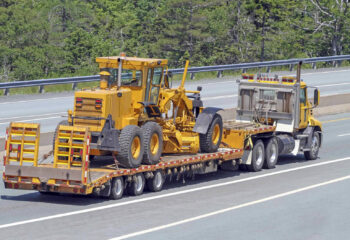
x,y
217,68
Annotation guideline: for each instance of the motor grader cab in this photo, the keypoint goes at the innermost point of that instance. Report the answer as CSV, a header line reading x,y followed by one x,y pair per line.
x,y
135,116
285,104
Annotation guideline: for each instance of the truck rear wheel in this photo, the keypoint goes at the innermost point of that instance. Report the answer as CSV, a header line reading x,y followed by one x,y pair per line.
x,y
258,157
271,153
210,141
130,140
153,142
315,146
155,184
136,187
117,190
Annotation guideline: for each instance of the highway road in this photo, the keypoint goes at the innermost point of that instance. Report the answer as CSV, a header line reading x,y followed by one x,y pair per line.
x,y
48,109
297,200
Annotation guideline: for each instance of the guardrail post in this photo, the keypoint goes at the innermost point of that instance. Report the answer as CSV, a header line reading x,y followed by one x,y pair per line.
x,y
7,91
336,64
314,66
244,70
219,74
192,76
268,69
41,89
291,67
74,86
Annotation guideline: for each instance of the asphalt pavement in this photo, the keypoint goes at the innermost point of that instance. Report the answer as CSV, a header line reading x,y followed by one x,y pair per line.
x,y
298,199
48,109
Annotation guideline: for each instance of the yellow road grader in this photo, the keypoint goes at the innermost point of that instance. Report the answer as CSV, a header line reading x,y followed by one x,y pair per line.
x,y
136,116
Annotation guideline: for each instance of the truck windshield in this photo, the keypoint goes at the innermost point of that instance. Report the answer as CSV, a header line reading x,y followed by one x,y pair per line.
x,y
129,77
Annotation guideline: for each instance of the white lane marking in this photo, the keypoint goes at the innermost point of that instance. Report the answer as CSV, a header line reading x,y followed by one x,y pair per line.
x,y
30,116
220,97
326,72
31,120
33,100
343,135
331,85
169,194
273,197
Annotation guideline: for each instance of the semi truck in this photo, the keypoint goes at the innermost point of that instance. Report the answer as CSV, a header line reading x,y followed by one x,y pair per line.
x,y
273,117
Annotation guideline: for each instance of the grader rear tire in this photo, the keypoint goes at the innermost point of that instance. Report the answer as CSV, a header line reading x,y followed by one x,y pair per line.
x,y
130,140
153,142
210,141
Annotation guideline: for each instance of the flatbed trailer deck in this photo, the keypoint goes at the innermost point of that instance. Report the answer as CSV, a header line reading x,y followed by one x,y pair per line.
x,y
96,174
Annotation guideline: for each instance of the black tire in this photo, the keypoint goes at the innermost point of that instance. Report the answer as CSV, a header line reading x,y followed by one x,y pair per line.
x,y
258,157
118,186
271,153
153,142
314,148
156,183
130,140
207,143
63,123
137,186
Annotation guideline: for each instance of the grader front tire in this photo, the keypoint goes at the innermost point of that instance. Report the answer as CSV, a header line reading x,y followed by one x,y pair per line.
x,y
130,140
153,142
210,141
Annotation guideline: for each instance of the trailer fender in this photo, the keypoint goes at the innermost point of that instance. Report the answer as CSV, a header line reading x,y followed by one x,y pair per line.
x,y
204,119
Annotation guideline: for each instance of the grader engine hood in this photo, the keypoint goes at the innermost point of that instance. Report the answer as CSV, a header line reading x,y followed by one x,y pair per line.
x,y
92,108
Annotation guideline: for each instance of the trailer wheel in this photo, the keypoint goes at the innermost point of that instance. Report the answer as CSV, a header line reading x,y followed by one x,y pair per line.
x,y
130,140
155,184
258,157
136,187
210,141
271,153
117,190
153,142
63,123
315,146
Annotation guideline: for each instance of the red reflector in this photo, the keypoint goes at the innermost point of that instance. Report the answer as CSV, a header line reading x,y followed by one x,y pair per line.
x,y
98,101
16,185
79,99
10,148
81,190
75,190
81,152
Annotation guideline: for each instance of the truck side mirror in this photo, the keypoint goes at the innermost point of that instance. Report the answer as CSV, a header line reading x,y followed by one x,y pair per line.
x,y
316,97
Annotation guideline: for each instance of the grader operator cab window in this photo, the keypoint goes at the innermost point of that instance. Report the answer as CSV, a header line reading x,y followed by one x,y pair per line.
x,y
129,77
154,78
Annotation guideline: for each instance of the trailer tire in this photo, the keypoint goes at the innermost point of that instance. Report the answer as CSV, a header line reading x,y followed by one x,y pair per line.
x,y
118,186
152,142
210,141
130,140
258,157
315,146
156,183
271,153
63,123
137,186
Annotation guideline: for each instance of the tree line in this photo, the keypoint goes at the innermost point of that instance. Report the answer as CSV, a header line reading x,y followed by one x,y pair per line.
x,y
56,38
